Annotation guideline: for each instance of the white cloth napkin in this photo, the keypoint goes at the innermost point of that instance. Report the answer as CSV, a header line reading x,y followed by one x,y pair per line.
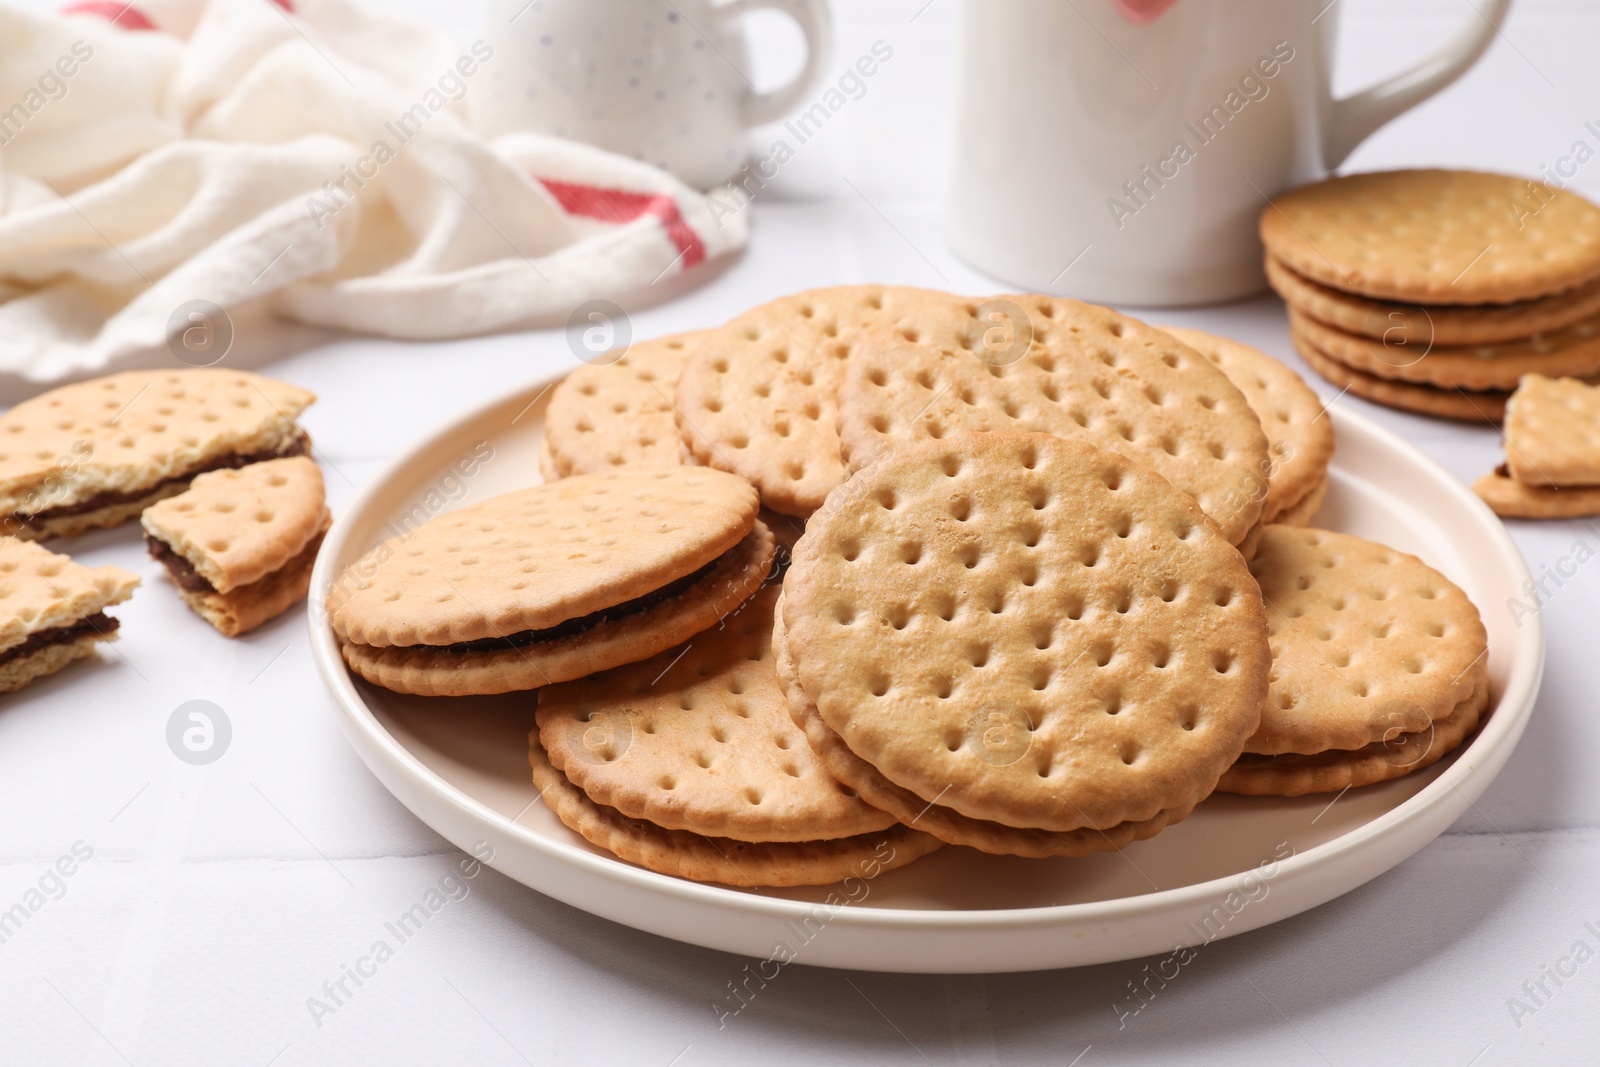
x,y
312,154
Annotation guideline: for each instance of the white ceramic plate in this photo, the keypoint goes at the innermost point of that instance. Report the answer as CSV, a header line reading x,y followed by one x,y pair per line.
x,y
460,765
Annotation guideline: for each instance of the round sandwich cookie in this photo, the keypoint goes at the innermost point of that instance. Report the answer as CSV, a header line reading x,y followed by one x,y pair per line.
x,y
759,396
699,739
1574,352
744,864
1465,405
1299,435
1029,631
97,453
1370,646
1436,236
617,414
1440,324
1090,374
552,583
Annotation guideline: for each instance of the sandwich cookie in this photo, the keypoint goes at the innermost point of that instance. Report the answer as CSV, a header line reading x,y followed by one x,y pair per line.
x,y
239,544
552,583
1465,405
52,610
97,453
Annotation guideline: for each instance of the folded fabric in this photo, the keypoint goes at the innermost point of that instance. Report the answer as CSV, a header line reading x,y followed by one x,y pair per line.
x,y
311,154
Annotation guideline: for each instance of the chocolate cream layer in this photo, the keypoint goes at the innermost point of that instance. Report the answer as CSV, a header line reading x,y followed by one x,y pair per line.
x,y
99,624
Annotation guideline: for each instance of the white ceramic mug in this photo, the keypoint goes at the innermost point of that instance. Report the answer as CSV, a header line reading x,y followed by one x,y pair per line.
x,y
1121,151
662,81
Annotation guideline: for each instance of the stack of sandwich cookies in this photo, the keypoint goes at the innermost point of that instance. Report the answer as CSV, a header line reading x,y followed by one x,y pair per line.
x,y
239,543
52,610
1022,643
97,453
1299,437
1435,290
1552,438
1379,666
1089,374
552,583
618,413
688,764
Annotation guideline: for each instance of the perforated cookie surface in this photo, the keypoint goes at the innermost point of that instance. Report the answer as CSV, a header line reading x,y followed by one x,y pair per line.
x,y
530,559
619,414
43,590
1553,432
1366,641
1076,596
699,738
1435,236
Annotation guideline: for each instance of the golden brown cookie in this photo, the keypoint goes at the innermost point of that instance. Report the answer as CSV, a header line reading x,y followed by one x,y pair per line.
x,y
1299,436
1461,404
52,610
619,414
1028,630
240,544
1293,775
711,859
699,739
1440,324
1436,236
1574,351
1367,642
1552,433
552,583
1091,374
1511,499
1302,511
759,396
99,452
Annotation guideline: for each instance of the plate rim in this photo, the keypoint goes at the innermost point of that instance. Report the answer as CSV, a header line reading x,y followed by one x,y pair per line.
x,y
1505,727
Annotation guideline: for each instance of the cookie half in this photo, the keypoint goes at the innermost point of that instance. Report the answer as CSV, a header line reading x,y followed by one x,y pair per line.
x,y
52,610
1090,374
1552,433
618,414
99,452
1027,630
552,583
1436,236
699,739
710,859
239,544
1299,435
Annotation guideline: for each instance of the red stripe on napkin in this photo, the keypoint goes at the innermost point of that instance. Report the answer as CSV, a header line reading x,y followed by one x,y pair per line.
x,y
118,14
620,205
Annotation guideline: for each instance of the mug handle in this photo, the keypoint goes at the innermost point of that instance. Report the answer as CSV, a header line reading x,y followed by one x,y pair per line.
x,y
816,25
1355,118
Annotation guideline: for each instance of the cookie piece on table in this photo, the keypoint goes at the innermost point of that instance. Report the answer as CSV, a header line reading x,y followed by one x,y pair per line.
x,y
1464,405
711,859
618,414
1299,435
1440,324
97,453
759,396
552,583
1027,632
1370,646
699,739
52,610
1090,374
1552,432
240,544
1513,499
1436,236
1573,351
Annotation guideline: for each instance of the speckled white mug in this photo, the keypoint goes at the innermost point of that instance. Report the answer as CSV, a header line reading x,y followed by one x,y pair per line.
x,y
664,81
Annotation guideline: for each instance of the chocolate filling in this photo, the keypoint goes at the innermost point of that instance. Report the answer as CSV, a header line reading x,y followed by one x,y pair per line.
x,y
112,497
524,638
184,576
98,623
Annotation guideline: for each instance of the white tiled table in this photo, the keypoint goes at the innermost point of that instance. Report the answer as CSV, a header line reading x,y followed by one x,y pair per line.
x,y
218,899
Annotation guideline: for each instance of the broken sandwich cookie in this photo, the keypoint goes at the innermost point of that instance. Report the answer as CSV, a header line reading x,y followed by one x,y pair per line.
x,y
239,544
52,610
